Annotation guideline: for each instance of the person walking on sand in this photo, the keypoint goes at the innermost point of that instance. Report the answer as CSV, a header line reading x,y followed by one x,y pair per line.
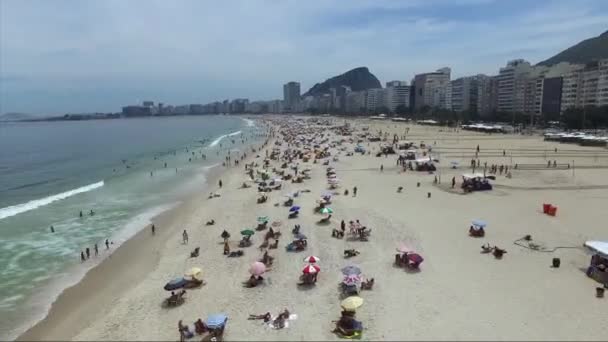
x,y
153,228
477,148
355,191
381,167
88,253
342,225
185,237
96,250
107,244
453,182
220,183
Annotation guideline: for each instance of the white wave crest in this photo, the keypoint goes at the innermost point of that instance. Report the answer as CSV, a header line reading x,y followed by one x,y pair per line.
x,y
37,203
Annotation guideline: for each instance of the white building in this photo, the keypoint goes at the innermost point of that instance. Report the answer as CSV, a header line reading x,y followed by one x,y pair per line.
x,y
397,94
433,89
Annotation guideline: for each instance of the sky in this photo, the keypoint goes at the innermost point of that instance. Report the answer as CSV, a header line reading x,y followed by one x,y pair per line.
x,y
73,56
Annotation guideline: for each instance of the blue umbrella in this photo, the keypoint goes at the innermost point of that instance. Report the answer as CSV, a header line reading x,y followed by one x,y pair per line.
x,y
216,321
479,223
294,208
175,284
350,270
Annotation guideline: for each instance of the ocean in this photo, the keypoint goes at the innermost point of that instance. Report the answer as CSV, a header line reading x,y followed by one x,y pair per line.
x,y
125,171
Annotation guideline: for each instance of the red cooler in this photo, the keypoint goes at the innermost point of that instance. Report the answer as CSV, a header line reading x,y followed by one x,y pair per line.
x,y
546,208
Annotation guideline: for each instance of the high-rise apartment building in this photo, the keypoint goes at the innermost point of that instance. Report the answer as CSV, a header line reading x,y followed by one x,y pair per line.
x,y
291,96
487,94
397,94
464,94
511,86
356,102
433,89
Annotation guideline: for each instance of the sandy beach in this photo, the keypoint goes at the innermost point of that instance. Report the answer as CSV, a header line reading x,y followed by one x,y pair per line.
x,y
458,294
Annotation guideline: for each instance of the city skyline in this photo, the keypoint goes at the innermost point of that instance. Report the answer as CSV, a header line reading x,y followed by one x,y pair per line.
x,y
99,56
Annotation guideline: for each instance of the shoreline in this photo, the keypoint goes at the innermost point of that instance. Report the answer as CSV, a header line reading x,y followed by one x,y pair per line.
x,y
127,265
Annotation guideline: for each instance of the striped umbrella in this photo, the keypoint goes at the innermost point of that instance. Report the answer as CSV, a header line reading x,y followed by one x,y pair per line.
x,y
312,259
311,269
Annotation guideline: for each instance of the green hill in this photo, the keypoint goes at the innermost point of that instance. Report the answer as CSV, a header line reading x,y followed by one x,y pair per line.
x,y
586,51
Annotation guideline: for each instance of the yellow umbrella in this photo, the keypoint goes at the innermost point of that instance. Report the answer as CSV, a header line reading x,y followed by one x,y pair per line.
x,y
351,303
194,272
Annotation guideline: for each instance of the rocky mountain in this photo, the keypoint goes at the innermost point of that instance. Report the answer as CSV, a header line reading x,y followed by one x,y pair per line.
x,y
586,51
357,79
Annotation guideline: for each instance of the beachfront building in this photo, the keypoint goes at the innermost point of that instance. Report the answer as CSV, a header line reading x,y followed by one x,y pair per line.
x,y
487,94
433,89
376,99
586,85
356,102
291,96
464,94
511,86
397,94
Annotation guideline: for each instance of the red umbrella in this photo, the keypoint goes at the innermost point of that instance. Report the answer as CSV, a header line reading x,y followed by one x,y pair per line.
x,y
312,259
311,269
415,258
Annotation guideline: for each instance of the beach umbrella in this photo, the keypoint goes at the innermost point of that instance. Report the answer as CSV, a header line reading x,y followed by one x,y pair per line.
x,y
257,268
263,219
352,303
276,223
175,284
247,232
311,269
322,201
327,211
216,321
352,279
194,272
300,236
312,259
350,270
415,258
404,249
479,223
294,208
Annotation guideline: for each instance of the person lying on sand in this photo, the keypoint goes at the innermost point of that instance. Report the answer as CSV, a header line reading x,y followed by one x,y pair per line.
x,y
266,317
211,222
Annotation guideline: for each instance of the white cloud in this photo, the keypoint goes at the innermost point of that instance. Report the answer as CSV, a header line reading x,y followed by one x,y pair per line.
x,y
253,47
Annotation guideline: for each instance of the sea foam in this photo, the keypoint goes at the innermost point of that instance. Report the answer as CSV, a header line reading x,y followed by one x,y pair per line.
x,y
37,203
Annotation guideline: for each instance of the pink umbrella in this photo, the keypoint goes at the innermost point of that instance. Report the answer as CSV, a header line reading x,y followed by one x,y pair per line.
x,y
311,269
352,279
312,259
257,268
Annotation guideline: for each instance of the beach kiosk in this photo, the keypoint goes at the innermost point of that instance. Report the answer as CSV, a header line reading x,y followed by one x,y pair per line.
x,y
475,182
598,266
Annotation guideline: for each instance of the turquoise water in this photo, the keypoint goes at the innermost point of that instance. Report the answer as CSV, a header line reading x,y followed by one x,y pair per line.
x,y
51,171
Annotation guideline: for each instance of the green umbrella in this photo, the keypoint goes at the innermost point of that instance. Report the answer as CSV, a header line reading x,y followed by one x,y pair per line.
x,y
263,219
327,211
247,232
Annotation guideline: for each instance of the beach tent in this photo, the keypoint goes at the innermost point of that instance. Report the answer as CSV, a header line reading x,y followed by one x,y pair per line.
x,y
598,246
